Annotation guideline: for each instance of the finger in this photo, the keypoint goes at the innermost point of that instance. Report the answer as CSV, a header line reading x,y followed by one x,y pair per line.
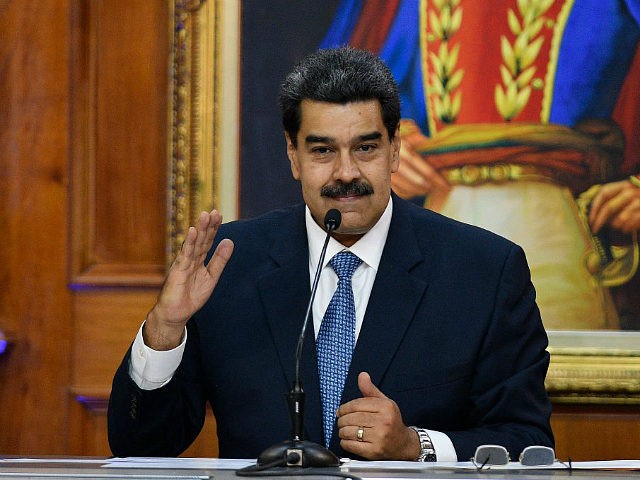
x,y
410,169
422,167
208,224
367,388
607,211
359,411
185,256
353,420
599,204
372,401
407,187
415,178
426,170
628,220
358,433
370,447
358,439
598,208
220,258
437,199
360,449
364,445
401,192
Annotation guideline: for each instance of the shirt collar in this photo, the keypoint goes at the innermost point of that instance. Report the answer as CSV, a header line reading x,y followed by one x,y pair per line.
x,y
368,248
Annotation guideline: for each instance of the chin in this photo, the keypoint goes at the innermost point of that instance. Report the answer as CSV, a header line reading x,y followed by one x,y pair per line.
x,y
352,229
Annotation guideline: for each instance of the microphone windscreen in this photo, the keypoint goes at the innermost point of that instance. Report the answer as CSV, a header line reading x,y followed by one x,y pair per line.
x,y
332,219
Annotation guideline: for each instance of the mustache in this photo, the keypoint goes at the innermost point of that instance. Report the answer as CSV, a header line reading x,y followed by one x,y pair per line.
x,y
346,189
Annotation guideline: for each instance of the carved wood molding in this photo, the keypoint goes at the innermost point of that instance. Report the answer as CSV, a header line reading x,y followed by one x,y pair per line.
x,y
203,149
99,159
120,275
594,376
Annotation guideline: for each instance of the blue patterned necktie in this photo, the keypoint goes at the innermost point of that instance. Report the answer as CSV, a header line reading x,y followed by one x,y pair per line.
x,y
336,339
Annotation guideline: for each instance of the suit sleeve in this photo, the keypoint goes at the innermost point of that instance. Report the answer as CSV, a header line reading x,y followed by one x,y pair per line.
x,y
509,403
160,422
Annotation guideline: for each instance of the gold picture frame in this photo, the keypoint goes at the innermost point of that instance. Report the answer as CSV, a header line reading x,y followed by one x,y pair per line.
x,y
597,367
203,113
587,367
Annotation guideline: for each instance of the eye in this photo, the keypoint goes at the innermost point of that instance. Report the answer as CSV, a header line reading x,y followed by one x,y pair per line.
x,y
321,150
366,147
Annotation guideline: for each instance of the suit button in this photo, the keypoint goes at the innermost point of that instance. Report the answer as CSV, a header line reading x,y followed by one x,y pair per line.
x,y
133,408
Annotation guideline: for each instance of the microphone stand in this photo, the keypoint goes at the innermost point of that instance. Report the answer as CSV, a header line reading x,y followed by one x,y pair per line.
x,y
298,452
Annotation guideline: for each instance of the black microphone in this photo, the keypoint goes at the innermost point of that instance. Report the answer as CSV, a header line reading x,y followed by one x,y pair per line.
x,y
331,222
298,452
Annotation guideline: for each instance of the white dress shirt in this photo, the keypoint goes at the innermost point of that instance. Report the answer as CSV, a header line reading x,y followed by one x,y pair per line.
x,y
151,369
368,249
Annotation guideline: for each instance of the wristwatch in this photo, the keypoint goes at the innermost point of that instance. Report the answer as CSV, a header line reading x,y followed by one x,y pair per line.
x,y
427,452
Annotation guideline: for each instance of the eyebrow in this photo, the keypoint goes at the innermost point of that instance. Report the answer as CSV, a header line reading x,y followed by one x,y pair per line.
x,y
362,138
370,136
317,139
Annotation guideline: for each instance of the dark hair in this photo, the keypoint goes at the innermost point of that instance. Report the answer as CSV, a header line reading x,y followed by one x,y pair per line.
x,y
340,75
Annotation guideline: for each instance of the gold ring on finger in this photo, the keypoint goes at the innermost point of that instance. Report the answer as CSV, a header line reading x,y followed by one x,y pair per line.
x,y
360,434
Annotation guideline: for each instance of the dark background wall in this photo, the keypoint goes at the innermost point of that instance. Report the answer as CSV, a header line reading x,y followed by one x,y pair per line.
x,y
276,34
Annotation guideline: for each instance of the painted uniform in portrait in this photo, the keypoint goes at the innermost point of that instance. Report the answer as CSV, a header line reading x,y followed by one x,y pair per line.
x,y
522,106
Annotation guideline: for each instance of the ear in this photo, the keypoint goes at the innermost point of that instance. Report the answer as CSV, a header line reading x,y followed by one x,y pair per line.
x,y
395,150
292,153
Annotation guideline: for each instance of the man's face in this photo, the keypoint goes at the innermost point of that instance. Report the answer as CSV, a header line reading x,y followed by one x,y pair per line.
x,y
344,159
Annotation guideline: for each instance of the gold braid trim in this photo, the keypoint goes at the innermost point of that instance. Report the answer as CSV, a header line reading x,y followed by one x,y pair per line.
x,y
480,135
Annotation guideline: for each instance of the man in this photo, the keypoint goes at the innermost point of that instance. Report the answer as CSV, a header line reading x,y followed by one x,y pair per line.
x,y
448,338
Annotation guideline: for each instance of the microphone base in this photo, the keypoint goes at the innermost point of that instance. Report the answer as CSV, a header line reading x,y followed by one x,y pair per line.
x,y
299,453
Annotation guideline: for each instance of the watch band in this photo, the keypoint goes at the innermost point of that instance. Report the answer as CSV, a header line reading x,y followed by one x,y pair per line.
x,y
427,452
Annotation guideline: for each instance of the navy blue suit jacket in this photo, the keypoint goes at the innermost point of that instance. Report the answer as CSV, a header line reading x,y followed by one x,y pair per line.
x,y
451,333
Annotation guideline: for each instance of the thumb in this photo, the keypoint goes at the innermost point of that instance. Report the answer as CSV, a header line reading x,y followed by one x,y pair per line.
x,y
367,388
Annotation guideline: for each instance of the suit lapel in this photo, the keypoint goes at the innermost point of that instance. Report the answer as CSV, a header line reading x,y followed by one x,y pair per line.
x,y
285,293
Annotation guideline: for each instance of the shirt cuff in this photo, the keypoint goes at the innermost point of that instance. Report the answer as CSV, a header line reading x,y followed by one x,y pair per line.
x,y
442,444
151,369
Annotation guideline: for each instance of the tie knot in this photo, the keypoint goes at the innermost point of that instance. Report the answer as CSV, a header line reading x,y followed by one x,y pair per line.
x,y
344,264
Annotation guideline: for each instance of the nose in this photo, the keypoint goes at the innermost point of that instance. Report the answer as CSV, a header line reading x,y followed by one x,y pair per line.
x,y
346,169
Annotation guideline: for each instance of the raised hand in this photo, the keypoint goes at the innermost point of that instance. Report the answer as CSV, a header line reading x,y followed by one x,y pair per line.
x,y
384,435
188,284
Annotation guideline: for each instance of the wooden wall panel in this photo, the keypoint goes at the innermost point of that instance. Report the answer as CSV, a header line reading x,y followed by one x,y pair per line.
x,y
597,432
106,323
88,427
119,122
34,302
119,92
131,95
